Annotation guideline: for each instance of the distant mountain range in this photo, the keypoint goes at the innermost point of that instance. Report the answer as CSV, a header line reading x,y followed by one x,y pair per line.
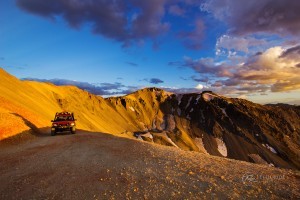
x,y
206,122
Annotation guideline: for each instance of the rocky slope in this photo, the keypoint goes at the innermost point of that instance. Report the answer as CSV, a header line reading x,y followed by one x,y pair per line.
x,y
207,122
213,124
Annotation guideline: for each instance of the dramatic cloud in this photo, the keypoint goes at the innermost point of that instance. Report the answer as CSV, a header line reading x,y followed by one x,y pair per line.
x,y
125,21
291,53
128,22
286,85
247,17
275,67
133,21
272,70
97,89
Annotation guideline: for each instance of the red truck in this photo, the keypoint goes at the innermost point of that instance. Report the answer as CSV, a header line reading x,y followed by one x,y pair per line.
x,y
63,121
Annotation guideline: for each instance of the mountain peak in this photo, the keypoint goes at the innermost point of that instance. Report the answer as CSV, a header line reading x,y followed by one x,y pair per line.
x,y
150,90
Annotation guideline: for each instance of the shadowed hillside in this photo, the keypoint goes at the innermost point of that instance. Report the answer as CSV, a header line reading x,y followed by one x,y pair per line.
x,y
207,122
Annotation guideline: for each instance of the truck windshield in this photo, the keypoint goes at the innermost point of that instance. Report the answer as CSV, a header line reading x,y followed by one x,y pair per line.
x,y
63,118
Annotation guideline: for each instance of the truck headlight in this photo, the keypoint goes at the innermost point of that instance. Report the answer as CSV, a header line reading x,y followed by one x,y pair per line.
x,y
72,124
54,124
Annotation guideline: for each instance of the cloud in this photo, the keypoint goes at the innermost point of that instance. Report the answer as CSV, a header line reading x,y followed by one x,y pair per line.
x,y
286,85
276,70
176,10
256,16
124,21
180,90
269,67
202,79
291,53
97,89
130,22
149,21
237,43
217,84
193,39
154,80
199,87
110,86
206,66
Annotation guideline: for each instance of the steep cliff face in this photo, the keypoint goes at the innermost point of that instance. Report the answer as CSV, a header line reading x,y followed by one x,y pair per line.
x,y
206,122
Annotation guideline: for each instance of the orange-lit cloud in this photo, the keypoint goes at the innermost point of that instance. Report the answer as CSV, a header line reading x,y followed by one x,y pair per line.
x,y
274,70
275,67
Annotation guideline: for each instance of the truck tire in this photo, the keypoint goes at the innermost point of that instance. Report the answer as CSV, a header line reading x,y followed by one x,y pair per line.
x,y
53,133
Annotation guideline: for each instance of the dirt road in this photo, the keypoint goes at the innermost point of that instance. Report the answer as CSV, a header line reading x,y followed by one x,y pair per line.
x,y
102,166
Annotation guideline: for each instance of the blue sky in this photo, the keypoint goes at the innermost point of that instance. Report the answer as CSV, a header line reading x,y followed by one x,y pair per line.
x,y
116,47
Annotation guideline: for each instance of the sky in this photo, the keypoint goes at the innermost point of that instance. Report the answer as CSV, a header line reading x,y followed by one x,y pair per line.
x,y
245,49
